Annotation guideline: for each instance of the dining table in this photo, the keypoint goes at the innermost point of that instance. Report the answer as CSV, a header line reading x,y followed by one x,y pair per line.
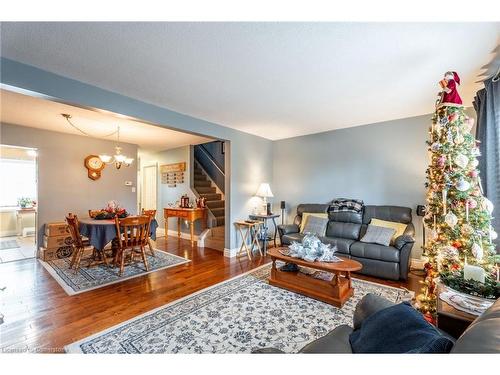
x,y
102,232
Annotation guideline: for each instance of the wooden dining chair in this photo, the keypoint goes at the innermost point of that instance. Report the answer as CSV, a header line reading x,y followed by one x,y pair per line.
x,y
132,233
79,244
152,214
94,213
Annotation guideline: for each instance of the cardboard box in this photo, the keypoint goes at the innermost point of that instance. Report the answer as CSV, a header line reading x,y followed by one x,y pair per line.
x,y
54,253
57,241
56,229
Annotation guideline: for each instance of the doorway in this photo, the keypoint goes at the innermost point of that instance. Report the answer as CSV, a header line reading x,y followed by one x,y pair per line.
x,y
149,187
18,203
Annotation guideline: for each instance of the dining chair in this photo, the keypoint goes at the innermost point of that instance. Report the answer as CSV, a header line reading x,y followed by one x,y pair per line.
x,y
94,213
152,214
132,233
80,244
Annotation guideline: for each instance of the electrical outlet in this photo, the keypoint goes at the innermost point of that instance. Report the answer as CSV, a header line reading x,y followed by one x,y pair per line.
x,y
133,189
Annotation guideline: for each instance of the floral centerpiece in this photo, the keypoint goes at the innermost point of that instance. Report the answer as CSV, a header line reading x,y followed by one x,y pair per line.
x,y
25,202
312,249
112,210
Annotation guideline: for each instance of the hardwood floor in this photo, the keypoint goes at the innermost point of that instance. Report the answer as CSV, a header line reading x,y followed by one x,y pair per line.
x,y
40,316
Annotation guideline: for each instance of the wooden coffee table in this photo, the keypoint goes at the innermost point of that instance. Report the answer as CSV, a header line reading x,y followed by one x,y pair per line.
x,y
335,292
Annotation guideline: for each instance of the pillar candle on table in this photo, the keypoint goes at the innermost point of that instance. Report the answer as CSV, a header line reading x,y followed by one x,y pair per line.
x,y
474,273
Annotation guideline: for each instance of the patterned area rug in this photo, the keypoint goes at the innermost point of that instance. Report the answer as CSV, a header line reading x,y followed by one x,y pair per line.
x,y
98,276
234,316
9,244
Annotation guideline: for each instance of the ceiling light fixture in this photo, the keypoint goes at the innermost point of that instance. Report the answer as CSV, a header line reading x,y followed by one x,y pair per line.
x,y
118,159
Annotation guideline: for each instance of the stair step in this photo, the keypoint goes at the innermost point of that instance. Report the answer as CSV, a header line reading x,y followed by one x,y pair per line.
x,y
218,211
215,204
205,189
220,220
202,183
211,196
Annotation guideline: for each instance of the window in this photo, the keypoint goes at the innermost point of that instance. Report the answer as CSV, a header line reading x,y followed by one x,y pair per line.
x,y
18,179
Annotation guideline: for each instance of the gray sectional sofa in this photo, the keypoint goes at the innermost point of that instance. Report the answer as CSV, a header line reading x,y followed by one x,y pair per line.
x,y
345,229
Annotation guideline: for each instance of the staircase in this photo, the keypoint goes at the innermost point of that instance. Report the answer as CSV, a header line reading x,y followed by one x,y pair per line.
x,y
205,188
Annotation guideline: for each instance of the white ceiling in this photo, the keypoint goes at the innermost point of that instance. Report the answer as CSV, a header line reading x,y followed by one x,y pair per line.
x,y
275,80
23,110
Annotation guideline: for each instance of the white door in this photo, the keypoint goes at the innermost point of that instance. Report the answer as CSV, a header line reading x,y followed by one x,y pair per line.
x,y
149,186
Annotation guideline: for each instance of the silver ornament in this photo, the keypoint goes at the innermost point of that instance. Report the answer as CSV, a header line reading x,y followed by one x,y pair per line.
x,y
451,219
461,160
463,185
477,251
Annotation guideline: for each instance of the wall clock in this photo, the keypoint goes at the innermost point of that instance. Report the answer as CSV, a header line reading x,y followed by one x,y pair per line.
x,y
94,166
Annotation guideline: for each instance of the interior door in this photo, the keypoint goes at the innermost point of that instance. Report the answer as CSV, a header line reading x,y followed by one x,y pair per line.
x,y
149,187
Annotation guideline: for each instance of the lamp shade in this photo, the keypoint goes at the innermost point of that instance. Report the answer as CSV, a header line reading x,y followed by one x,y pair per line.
x,y
264,191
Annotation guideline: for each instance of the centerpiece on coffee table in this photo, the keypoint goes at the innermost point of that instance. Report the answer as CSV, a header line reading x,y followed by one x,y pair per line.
x,y
311,253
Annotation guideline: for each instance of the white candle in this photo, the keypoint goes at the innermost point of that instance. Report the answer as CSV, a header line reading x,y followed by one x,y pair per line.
x,y
474,273
444,193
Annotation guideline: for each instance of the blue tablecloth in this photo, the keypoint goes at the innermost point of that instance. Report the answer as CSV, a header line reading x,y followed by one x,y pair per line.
x,y
102,232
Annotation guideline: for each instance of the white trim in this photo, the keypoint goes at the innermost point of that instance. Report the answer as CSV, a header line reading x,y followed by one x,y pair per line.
x,y
75,346
202,236
231,253
71,292
8,233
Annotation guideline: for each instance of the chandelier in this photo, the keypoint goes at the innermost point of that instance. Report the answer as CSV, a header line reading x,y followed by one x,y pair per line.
x,y
118,159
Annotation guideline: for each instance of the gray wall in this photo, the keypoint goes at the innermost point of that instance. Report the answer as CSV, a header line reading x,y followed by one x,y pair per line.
x,y
249,158
383,164
63,185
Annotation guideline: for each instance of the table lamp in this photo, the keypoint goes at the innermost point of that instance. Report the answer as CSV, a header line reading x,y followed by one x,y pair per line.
x,y
264,191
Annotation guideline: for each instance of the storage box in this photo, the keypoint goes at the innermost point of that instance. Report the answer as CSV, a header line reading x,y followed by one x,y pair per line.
x,y
57,241
54,253
56,229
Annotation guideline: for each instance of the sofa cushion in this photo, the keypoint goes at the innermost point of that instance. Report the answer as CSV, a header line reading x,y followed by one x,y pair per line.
x,y
306,215
378,235
375,251
287,239
316,225
346,217
312,207
343,230
398,329
378,268
343,244
389,213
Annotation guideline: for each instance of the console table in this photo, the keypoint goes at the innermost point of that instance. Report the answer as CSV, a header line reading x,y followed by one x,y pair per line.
x,y
189,214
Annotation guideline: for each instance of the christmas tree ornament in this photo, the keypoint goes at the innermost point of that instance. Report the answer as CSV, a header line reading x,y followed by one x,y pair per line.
x,y
476,152
453,117
449,136
451,219
487,205
477,251
435,146
444,194
472,203
461,160
473,174
459,139
450,93
474,163
466,230
441,160
433,234
462,185
493,234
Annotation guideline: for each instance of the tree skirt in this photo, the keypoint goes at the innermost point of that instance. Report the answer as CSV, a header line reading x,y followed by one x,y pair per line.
x,y
101,275
234,316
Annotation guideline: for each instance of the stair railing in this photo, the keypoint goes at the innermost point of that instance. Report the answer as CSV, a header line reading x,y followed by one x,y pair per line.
x,y
203,157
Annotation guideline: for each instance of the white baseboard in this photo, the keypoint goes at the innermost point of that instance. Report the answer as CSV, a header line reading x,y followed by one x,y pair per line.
x,y
231,253
8,233
184,236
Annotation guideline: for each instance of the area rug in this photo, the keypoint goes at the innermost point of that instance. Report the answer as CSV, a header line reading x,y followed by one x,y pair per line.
x,y
9,244
101,275
234,316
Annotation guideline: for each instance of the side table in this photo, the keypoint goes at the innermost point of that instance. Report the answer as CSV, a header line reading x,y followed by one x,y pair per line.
x,y
265,229
451,320
245,228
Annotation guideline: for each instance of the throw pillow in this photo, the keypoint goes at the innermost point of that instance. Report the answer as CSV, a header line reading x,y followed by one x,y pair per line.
x,y
398,227
380,235
398,329
316,225
305,215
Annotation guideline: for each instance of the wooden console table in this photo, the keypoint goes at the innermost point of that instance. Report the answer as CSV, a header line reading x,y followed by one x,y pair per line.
x,y
335,292
189,214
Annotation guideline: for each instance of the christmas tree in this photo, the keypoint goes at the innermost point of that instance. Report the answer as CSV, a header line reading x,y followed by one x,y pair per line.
x,y
458,216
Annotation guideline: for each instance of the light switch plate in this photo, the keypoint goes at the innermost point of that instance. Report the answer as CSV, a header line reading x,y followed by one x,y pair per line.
x,y
133,189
